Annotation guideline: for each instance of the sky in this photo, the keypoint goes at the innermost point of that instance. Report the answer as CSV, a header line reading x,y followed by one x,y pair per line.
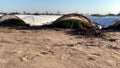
x,y
64,6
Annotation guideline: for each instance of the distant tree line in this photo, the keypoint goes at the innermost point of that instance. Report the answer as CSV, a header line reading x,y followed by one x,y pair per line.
x,y
35,13
109,14
57,13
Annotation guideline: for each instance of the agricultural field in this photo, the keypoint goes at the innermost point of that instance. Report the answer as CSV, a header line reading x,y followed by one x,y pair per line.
x,y
44,47
57,48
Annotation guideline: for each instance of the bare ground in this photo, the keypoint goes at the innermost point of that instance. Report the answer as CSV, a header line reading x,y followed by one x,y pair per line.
x,y
49,48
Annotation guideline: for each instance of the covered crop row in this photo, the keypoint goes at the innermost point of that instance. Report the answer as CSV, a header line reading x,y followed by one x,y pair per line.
x,y
65,21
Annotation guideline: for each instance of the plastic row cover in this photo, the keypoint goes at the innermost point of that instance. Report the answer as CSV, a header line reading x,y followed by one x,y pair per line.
x,y
38,20
104,21
33,20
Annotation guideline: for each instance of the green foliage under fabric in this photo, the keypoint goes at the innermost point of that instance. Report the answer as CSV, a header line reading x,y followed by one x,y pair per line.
x,y
72,24
13,22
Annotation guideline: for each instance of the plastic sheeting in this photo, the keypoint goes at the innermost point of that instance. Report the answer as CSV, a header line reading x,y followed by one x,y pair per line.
x,y
6,17
38,20
106,21
33,20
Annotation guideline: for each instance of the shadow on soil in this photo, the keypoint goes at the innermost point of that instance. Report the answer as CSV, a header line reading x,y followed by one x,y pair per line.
x,y
78,32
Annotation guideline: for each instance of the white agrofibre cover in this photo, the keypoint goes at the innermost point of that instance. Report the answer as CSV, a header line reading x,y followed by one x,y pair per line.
x,y
33,20
38,20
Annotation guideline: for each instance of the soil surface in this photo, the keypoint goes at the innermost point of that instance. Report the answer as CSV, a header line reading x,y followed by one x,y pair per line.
x,y
54,48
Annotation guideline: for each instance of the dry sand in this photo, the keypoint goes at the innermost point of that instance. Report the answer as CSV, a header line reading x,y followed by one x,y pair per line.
x,y
49,48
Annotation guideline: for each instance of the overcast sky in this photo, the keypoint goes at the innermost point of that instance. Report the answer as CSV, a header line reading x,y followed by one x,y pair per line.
x,y
65,6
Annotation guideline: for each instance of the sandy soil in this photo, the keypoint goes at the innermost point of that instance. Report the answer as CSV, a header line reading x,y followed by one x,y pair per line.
x,y
50,48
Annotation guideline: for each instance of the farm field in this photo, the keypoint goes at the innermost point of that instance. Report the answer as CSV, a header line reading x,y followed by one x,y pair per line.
x,y
54,48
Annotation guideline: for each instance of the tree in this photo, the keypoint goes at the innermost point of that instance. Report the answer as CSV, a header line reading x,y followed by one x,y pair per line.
x,y
46,13
36,13
95,15
24,12
58,12
118,14
110,14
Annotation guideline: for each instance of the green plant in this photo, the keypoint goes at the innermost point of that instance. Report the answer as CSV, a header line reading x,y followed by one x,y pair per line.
x,y
13,22
91,58
72,45
72,24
